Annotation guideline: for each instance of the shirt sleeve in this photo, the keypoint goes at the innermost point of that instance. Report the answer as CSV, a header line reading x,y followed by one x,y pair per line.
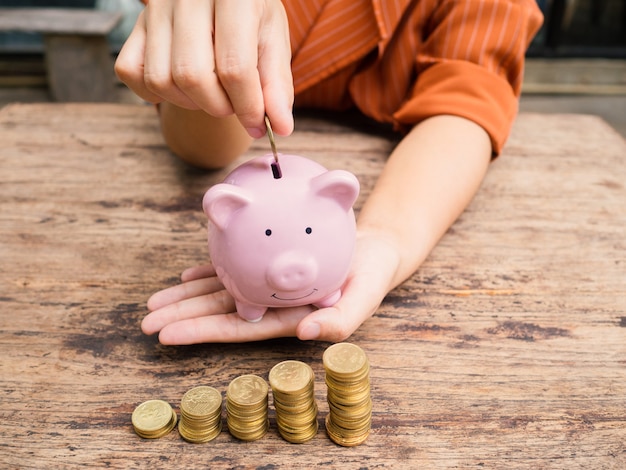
x,y
471,64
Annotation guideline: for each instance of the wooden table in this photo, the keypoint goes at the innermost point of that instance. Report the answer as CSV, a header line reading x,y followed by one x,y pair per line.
x,y
506,350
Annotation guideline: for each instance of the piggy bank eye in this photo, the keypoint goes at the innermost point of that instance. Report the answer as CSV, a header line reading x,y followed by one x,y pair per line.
x,y
308,230
268,232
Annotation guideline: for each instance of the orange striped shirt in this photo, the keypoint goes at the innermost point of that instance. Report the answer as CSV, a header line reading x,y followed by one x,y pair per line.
x,y
402,61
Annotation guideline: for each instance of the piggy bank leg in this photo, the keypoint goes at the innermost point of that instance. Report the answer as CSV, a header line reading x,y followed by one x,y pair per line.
x,y
329,300
251,313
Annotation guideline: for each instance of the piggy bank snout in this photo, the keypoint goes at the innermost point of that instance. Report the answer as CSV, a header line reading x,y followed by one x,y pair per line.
x,y
292,271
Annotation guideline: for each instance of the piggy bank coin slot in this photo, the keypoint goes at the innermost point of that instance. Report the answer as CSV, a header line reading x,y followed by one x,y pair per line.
x,y
276,173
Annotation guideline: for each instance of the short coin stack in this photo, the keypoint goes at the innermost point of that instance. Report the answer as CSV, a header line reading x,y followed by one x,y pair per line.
x,y
292,385
246,407
349,419
200,414
153,419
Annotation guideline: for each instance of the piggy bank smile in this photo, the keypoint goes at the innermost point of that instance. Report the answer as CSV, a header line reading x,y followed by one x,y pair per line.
x,y
291,299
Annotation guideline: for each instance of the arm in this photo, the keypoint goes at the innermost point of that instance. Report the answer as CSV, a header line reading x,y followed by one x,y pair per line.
x,y
201,139
428,181
430,178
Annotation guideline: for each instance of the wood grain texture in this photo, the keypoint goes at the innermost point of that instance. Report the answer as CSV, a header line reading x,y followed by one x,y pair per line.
x,y
507,349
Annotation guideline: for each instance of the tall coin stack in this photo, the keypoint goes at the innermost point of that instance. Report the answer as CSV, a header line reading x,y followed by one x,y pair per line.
x,y
246,407
200,414
153,419
349,419
292,385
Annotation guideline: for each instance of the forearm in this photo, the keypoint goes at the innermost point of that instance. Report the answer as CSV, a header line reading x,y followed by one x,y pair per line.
x,y
200,139
429,180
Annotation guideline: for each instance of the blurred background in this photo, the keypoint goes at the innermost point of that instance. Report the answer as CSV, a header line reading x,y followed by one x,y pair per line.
x,y
576,64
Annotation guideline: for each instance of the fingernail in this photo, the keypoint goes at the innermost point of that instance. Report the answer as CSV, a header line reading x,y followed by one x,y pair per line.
x,y
255,132
311,331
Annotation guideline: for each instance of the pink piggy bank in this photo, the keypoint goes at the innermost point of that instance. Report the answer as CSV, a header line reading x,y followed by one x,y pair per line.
x,y
281,240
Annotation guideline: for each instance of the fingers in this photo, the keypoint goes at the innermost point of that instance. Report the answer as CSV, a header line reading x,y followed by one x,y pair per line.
x,y
275,71
197,272
193,58
144,63
218,302
169,57
214,56
253,62
161,21
231,328
193,288
236,59
337,323
129,65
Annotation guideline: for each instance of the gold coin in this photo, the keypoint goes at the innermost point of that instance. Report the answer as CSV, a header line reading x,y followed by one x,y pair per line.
x,y
344,359
349,418
200,414
347,381
301,435
249,434
247,407
245,414
153,419
248,426
352,425
164,431
343,438
199,437
290,377
247,390
201,401
345,399
305,414
161,432
292,385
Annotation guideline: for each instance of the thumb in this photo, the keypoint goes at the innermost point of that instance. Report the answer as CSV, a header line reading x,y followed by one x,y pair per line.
x,y
335,323
323,324
363,292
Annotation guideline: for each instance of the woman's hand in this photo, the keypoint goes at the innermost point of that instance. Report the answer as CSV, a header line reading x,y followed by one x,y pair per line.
x,y
201,311
215,56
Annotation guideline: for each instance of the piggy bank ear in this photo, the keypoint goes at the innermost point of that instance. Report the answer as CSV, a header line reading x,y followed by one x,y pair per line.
x,y
222,201
339,185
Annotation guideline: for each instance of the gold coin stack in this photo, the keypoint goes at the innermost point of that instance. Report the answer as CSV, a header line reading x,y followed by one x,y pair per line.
x,y
349,419
153,419
200,414
246,407
292,385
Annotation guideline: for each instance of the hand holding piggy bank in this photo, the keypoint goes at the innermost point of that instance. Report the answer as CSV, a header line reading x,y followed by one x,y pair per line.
x,y
282,239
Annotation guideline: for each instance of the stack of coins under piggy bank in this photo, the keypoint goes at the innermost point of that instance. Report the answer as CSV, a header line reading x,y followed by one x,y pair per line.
x,y
282,238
